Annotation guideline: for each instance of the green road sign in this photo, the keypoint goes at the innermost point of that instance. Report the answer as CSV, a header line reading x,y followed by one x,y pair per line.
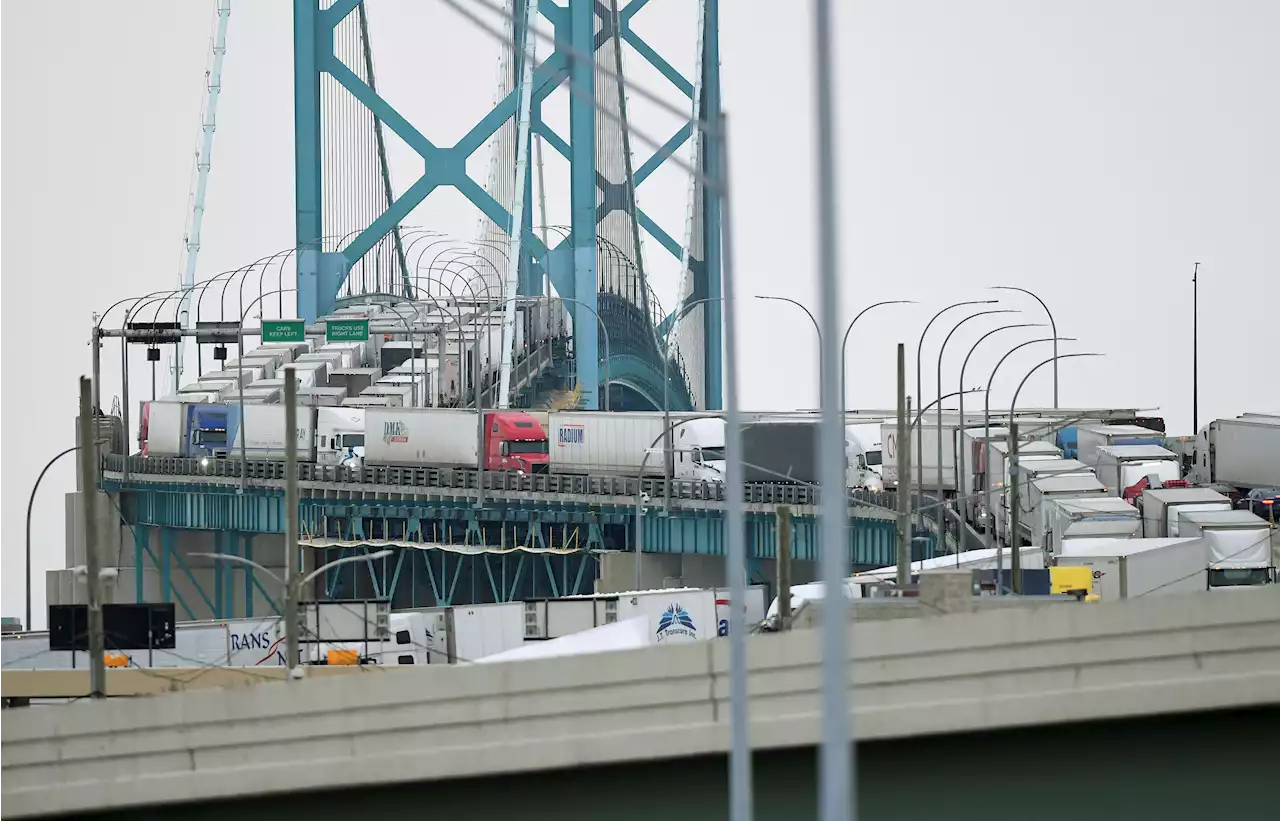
x,y
283,330
346,330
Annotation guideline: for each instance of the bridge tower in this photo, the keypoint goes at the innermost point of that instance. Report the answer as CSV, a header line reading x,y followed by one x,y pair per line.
x,y
597,263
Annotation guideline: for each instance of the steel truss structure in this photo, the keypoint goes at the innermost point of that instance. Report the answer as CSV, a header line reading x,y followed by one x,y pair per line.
x,y
584,27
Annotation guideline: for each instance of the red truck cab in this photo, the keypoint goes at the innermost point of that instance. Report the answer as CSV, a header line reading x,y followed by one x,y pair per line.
x,y
514,440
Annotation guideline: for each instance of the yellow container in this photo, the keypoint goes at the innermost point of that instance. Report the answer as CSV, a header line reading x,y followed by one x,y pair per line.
x,y
1069,580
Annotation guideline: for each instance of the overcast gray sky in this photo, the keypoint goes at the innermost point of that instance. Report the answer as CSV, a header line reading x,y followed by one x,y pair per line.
x,y
1090,151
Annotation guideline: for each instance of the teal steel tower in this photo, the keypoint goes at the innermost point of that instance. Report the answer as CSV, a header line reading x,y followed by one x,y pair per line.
x,y
605,219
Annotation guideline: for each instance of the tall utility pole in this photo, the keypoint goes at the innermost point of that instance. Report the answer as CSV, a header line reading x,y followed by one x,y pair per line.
x,y
89,519
784,566
1195,351
1015,552
904,472
291,588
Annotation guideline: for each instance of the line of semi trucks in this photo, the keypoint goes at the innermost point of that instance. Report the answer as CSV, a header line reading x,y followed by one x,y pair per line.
x,y
434,635
1148,513
378,402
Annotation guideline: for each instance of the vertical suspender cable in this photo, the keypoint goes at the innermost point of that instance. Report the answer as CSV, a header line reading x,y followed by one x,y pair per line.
x,y
528,47
208,124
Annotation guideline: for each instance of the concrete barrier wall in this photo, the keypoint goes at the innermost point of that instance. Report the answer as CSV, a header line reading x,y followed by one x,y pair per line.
x,y
956,673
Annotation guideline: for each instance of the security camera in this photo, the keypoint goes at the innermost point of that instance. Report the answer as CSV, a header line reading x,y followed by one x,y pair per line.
x,y
644,498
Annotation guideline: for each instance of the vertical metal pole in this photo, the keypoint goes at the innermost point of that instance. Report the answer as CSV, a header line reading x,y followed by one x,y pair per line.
x,y
740,746
308,153
784,566
89,457
1195,353
583,194
291,575
639,538
904,469
240,427
992,538
1015,554
836,774
939,512
95,342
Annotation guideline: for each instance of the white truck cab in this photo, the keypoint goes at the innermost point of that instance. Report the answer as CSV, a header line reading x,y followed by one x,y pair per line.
x,y
340,436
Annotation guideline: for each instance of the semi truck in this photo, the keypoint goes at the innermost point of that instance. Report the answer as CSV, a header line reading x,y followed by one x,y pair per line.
x,y
1123,468
1241,453
1238,543
1034,498
1090,438
409,437
463,634
1128,568
1065,518
782,451
452,437
631,444
258,642
1161,508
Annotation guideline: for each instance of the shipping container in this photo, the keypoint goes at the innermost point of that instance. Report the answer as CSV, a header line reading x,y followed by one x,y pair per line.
x,y
1129,568
263,430
392,396
1121,467
1062,515
1033,524
1090,438
1243,453
631,444
322,397
1238,542
1161,507
354,379
442,437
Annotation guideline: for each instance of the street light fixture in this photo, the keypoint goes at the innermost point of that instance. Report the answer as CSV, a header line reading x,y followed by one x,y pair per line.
x,y
938,414
920,393
817,330
1053,327
31,501
960,450
844,344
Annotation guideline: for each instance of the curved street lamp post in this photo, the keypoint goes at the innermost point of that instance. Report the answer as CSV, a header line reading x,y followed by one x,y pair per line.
x,y
993,539
1015,556
938,415
26,625
1053,328
919,449
960,449
844,344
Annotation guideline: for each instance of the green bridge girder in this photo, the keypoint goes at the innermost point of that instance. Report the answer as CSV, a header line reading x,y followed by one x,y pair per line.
x,y
556,546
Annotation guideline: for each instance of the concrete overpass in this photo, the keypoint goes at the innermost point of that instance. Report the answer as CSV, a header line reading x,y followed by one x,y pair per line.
x,y
1164,707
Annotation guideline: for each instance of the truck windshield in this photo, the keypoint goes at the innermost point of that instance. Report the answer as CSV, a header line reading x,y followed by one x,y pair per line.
x,y
873,458
211,437
353,440
1238,576
713,454
536,446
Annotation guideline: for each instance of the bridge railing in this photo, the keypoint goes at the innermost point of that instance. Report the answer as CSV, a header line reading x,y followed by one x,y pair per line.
x,y
460,479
